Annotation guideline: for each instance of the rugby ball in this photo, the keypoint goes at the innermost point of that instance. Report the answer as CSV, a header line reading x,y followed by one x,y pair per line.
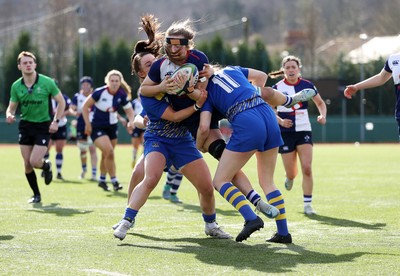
x,y
191,74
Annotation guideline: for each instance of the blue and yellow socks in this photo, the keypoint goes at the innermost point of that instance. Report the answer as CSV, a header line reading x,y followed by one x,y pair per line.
x,y
237,200
275,198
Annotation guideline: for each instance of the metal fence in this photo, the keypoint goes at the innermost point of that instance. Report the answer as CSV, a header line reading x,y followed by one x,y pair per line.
x,y
338,129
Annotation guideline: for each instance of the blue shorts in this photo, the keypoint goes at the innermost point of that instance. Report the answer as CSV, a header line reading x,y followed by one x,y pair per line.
x,y
61,134
111,131
293,139
177,151
255,129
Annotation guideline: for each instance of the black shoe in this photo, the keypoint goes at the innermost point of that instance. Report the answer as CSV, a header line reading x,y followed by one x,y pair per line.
x,y
59,176
280,239
35,199
250,227
104,186
116,186
48,173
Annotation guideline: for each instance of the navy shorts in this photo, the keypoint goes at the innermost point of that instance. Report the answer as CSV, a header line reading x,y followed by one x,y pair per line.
x,y
80,133
33,133
293,139
61,134
137,132
398,123
111,131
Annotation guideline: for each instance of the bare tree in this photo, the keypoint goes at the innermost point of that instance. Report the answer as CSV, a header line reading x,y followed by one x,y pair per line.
x,y
60,32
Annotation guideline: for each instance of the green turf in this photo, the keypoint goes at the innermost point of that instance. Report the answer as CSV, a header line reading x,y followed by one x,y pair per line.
x,y
356,231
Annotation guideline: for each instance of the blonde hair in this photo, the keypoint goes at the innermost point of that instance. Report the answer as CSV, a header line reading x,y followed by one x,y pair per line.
x,y
25,54
276,74
124,85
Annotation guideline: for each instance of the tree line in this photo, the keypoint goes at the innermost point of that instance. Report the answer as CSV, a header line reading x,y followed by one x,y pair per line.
x,y
104,56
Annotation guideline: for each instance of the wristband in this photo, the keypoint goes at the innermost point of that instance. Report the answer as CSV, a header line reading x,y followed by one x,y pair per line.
x,y
56,121
196,107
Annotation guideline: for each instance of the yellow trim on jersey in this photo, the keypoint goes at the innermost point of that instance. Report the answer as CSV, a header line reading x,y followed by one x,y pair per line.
x,y
159,96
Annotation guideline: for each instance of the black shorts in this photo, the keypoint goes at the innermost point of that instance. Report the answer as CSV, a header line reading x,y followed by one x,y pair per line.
x,y
61,134
111,131
137,132
80,135
292,139
34,133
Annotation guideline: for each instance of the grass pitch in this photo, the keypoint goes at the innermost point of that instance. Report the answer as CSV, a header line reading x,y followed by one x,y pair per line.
x,y
356,231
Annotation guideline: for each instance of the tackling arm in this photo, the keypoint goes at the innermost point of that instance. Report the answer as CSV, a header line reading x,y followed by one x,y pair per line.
x,y
203,130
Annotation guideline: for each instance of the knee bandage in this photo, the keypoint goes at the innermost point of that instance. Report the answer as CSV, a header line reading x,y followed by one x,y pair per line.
x,y
216,148
83,146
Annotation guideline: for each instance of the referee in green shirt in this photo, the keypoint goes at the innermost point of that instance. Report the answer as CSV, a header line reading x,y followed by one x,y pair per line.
x,y
32,93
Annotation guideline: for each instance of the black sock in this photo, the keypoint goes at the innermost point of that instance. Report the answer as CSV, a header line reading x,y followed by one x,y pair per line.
x,y
32,180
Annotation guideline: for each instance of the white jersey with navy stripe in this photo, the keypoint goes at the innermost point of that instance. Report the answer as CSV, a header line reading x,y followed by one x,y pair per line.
x,y
298,113
78,100
137,106
392,66
63,120
107,105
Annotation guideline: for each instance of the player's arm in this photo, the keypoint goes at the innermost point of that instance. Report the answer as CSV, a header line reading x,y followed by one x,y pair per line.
x,y
59,98
10,113
85,114
177,116
150,88
268,94
140,121
204,76
73,110
320,104
377,80
130,113
203,130
67,112
257,77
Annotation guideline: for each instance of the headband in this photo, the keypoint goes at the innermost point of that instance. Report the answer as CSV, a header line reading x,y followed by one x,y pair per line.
x,y
177,41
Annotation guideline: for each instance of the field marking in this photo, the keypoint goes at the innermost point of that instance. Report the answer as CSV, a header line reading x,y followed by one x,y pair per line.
x,y
104,272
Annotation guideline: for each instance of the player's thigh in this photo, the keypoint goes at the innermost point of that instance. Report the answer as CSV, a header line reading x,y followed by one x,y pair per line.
x,y
198,173
305,153
154,164
104,144
230,163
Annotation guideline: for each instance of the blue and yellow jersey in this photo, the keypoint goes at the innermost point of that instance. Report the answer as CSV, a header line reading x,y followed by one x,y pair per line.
x,y
230,92
154,109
